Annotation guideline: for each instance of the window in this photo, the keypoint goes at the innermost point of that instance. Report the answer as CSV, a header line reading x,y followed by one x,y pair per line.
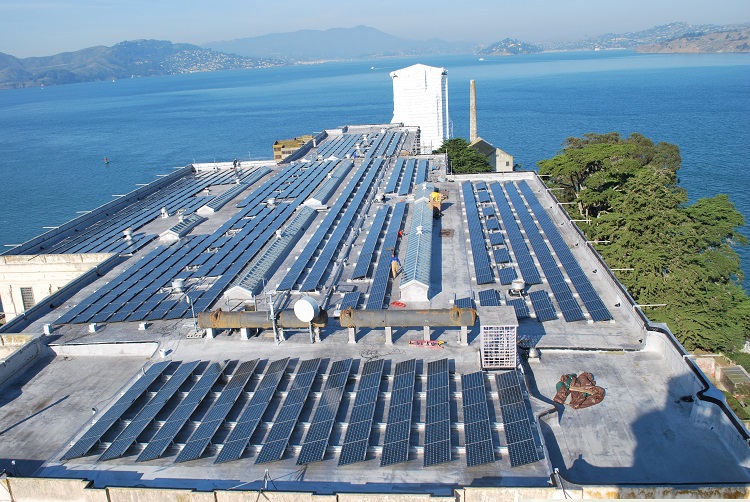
x,y
27,297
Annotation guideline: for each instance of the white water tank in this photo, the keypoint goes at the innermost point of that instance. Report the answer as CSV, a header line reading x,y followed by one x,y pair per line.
x,y
306,309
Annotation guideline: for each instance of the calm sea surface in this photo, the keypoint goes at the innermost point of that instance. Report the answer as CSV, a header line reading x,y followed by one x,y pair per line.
x,y
53,140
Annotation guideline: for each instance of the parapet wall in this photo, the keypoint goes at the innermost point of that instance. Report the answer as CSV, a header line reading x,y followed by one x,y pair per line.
x,y
21,358
14,489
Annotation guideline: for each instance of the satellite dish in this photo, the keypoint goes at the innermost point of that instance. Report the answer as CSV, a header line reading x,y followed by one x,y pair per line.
x,y
306,309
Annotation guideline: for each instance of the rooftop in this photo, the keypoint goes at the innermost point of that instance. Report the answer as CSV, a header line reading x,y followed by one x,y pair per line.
x,y
122,358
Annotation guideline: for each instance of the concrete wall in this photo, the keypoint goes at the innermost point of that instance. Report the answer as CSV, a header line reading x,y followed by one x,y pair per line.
x,y
21,358
44,274
124,349
503,161
14,489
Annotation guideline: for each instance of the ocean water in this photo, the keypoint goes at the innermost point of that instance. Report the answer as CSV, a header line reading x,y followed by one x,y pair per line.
x,y
53,140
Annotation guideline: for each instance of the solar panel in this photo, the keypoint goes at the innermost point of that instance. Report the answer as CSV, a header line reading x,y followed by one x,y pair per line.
x,y
501,255
506,275
368,248
524,260
518,428
113,414
464,303
281,431
496,239
437,444
358,431
398,167
351,299
488,298
422,165
236,442
519,304
476,236
144,418
379,285
316,440
200,439
398,426
492,224
406,182
543,307
164,437
586,291
477,431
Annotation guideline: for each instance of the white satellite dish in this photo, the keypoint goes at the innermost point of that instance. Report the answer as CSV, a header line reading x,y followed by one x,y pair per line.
x,y
306,309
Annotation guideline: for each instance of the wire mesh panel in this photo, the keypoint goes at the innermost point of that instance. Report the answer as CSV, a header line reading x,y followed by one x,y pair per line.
x,y
499,346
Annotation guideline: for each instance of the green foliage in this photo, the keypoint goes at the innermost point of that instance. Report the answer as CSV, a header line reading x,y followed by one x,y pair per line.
x,y
463,159
682,255
735,404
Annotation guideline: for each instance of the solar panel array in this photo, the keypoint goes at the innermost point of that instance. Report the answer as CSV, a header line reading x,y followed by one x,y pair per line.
x,y
408,178
477,431
476,236
236,442
105,235
437,430
568,304
506,275
291,278
329,186
464,303
501,255
278,438
211,422
519,304
343,226
113,414
524,259
142,420
518,435
316,440
586,291
179,417
398,426
144,292
398,169
422,168
379,285
543,308
339,147
368,248
357,439
489,298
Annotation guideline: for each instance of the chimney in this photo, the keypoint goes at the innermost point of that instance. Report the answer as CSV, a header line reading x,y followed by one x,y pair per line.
x,y
473,111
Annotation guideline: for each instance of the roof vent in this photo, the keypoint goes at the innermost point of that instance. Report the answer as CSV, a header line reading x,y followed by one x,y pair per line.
x,y
128,232
178,285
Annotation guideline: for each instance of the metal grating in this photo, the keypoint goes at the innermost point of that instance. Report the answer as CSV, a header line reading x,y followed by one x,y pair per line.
x,y
358,431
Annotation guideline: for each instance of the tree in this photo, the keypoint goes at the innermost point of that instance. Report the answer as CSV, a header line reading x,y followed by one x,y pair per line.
x,y
464,160
682,255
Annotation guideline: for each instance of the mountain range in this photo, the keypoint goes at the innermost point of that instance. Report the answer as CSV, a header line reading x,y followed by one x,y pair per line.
x,y
157,57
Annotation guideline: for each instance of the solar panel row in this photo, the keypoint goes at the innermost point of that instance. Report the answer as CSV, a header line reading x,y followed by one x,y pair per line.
x,y
518,435
477,431
383,269
437,442
398,426
368,248
476,236
524,260
356,441
586,291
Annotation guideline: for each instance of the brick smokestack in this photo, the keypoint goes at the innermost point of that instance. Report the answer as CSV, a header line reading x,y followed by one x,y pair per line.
x,y
473,111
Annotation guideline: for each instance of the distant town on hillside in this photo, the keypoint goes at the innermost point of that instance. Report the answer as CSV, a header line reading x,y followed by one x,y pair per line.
x,y
141,58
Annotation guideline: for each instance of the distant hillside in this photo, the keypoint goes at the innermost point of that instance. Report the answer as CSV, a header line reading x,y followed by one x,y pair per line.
x,y
509,47
138,58
631,40
722,41
336,43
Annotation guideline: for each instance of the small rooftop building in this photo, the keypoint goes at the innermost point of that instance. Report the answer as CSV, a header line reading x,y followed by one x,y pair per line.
x,y
420,98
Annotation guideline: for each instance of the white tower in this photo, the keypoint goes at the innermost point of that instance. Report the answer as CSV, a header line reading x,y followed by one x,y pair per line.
x,y
420,98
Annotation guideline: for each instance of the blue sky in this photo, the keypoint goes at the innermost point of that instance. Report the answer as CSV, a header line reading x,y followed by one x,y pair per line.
x,y
46,27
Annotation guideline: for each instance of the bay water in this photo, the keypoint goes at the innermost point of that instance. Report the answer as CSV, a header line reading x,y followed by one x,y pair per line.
x,y
53,140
